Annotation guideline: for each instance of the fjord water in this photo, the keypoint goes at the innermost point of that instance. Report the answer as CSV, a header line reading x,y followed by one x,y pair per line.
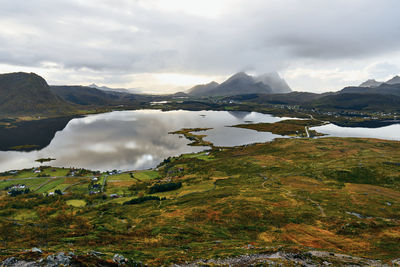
x,y
391,132
128,140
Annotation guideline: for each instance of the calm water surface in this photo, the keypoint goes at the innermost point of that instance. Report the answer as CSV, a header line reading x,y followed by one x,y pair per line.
x,y
127,140
391,132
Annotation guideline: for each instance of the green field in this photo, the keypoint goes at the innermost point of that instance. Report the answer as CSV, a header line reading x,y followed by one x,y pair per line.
x,y
53,172
51,185
77,203
31,183
146,175
201,155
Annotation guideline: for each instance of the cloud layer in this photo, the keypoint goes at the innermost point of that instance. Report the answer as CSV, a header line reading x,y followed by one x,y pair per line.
x,y
119,42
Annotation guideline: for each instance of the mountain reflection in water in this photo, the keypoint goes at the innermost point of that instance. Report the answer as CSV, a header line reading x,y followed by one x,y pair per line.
x,y
127,140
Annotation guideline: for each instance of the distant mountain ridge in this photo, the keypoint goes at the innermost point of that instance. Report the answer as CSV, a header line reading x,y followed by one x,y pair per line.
x,y
394,80
108,89
383,89
118,90
370,83
375,83
241,84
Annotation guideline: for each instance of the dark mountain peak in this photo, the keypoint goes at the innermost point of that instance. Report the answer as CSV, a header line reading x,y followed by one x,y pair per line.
x,y
394,80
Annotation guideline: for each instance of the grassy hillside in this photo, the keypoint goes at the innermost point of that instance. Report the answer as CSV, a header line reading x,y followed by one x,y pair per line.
x,y
28,93
383,89
293,98
356,101
83,95
333,194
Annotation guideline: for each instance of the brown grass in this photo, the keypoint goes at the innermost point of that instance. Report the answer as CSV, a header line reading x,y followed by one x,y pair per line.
x,y
312,236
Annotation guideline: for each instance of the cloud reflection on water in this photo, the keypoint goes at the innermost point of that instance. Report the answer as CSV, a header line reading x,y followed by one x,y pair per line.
x,y
128,140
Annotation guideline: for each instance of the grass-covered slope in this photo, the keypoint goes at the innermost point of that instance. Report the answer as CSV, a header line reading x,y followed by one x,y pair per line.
x,y
27,93
358,102
83,95
332,194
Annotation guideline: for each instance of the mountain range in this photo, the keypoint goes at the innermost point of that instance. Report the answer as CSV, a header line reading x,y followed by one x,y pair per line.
x,y
375,83
28,94
118,90
383,89
241,84
390,87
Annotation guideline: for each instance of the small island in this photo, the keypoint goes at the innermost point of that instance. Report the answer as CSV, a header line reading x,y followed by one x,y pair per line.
x,y
42,160
286,127
197,139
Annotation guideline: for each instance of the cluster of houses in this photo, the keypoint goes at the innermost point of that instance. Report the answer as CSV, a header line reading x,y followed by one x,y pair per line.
x,y
18,189
114,172
95,189
56,192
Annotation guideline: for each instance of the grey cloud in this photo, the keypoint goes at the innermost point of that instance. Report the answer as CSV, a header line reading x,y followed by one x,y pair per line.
x,y
123,37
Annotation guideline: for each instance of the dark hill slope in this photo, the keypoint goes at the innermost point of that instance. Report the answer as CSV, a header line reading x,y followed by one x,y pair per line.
x,y
354,101
28,94
293,98
83,95
383,89
203,89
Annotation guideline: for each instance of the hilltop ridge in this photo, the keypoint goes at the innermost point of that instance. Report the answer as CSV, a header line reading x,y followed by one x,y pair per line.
x,y
28,93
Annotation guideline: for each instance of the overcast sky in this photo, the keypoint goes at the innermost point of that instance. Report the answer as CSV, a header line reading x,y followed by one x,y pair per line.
x,y
168,45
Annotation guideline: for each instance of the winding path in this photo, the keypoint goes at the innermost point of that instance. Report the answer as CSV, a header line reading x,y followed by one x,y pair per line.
x,y
308,134
323,214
